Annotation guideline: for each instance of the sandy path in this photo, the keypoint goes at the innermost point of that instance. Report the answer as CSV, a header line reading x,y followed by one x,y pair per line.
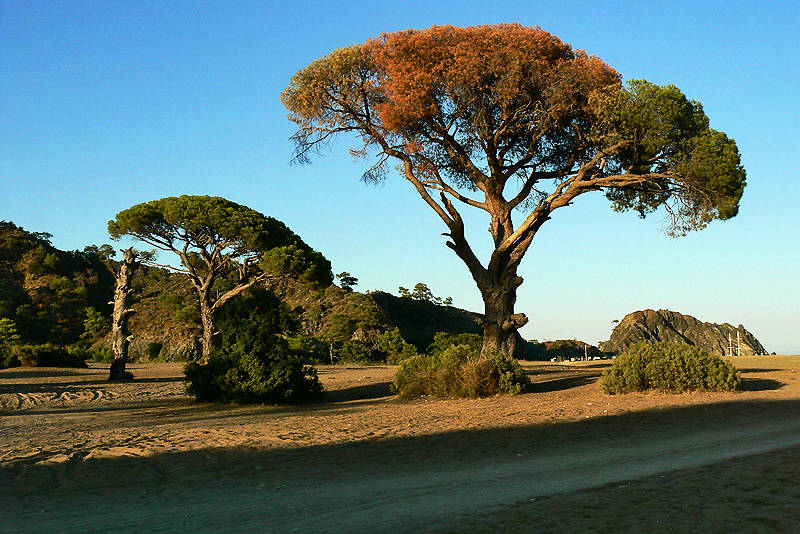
x,y
141,456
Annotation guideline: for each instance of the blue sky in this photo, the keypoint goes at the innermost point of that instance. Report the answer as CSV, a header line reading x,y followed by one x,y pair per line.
x,y
107,104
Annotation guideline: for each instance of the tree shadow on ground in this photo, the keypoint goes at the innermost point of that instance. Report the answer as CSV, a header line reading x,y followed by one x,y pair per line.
x,y
77,385
560,384
40,491
761,384
14,373
365,392
154,380
89,408
595,365
326,369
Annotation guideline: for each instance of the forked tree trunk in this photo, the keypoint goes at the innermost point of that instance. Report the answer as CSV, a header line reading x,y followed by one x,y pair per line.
x,y
209,308
120,335
498,282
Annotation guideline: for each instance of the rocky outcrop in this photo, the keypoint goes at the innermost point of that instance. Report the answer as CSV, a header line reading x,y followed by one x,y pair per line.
x,y
666,325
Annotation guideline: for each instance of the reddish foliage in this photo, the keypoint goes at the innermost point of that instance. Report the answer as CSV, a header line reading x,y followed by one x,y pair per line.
x,y
423,73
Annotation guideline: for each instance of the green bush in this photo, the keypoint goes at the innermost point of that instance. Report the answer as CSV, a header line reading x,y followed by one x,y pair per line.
x,y
256,361
95,325
308,349
459,371
357,353
102,355
393,348
444,340
182,309
247,378
8,338
670,367
46,355
7,358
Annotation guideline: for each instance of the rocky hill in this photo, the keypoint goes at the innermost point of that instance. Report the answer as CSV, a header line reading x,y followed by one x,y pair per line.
x,y
666,325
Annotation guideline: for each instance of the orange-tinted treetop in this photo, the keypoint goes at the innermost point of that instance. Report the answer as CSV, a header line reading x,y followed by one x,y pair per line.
x,y
507,66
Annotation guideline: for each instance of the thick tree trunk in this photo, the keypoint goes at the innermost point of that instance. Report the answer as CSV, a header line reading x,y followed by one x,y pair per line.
x,y
500,322
120,335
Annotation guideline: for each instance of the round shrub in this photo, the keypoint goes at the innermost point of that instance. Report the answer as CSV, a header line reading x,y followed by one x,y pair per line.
x,y
247,378
100,355
459,371
309,349
670,367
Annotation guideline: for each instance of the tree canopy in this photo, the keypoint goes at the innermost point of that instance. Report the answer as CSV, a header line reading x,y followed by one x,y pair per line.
x,y
224,247
508,117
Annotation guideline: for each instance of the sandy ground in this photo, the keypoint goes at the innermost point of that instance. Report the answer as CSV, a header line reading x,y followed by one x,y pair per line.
x,y
78,454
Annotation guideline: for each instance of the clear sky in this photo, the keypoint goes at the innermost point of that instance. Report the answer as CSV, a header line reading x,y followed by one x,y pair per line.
x,y
108,104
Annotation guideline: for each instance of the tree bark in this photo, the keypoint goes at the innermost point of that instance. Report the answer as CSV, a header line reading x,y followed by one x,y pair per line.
x,y
207,320
120,335
500,323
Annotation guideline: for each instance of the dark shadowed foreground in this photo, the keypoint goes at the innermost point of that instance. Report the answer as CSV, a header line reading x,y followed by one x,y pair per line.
x,y
78,454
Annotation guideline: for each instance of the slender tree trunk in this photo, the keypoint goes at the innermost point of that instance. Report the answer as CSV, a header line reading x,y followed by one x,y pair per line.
x,y
207,319
120,335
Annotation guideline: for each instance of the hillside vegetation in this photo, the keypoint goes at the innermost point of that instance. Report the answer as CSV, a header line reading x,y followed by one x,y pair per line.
x,y
52,296
48,293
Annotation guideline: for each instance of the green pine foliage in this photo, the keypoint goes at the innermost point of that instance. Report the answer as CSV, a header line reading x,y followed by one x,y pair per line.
x,y
393,347
669,367
8,338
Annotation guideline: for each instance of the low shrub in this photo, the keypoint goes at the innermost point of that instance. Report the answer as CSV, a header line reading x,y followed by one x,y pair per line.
x,y
459,371
8,338
252,377
46,355
7,358
253,363
670,367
